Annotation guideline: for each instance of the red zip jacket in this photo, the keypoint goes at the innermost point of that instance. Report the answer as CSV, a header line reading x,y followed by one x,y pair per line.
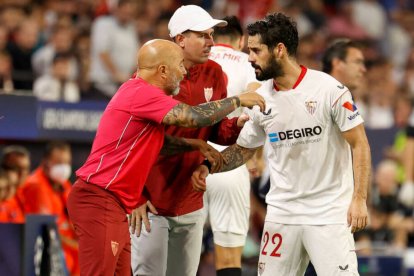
x,y
168,186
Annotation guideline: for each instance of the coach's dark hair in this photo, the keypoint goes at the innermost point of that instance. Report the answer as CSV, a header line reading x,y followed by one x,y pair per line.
x,y
338,49
233,29
276,28
50,147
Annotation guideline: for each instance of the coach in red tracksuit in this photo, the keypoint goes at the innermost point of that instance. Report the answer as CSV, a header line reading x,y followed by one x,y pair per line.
x,y
176,231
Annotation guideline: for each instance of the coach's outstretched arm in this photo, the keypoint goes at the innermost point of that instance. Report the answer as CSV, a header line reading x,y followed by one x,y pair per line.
x,y
210,113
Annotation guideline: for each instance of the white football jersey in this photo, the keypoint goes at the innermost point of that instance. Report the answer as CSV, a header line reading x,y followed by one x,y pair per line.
x,y
238,70
310,162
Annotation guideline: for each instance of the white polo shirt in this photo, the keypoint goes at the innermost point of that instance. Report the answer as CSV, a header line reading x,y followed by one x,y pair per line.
x,y
310,162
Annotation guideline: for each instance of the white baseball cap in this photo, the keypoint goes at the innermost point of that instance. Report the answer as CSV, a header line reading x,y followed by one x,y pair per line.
x,y
193,18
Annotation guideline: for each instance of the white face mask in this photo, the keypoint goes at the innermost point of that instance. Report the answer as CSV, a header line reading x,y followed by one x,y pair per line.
x,y
60,172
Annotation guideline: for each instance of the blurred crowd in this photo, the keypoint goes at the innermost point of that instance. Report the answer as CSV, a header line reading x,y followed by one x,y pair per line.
x,y
74,50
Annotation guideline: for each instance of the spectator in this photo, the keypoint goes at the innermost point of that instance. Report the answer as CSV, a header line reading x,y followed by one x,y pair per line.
x,y
16,162
11,16
17,158
3,37
344,25
388,228
82,52
345,61
21,51
114,44
6,82
406,195
58,86
45,192
60,42
4,182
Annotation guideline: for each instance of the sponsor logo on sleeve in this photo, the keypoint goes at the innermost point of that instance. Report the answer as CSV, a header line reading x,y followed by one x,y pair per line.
x,y
351,107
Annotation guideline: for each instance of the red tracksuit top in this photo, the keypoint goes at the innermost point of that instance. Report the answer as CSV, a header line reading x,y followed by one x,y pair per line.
x,y
169,186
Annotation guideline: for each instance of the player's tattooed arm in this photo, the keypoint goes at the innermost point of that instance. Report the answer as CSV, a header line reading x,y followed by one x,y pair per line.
x,y
173,145
201,115
235,156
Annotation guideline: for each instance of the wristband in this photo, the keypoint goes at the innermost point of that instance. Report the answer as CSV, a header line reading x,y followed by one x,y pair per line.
x,y
207,164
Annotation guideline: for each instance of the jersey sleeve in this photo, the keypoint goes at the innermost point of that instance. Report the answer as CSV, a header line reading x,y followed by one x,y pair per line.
x,y
344,112
152,104
252,135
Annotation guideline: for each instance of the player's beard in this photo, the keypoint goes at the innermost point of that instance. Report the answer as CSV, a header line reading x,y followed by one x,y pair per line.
x,y
272,70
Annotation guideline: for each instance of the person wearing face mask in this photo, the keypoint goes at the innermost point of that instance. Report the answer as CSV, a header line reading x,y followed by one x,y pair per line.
x,y
46,191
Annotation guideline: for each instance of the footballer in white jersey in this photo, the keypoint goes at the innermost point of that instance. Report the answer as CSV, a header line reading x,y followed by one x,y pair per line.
x,y
227,199
318,156
311,167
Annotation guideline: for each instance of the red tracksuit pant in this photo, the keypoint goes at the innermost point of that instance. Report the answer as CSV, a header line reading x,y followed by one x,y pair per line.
x,y
102,228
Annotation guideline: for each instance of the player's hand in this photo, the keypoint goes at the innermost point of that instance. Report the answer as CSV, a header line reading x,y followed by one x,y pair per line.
x,y
357,214
251,99
199,178
243,118
213,156
140,215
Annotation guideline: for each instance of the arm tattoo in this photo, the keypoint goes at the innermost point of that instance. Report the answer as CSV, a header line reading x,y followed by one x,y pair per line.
x,y
201,115
235,156
173,145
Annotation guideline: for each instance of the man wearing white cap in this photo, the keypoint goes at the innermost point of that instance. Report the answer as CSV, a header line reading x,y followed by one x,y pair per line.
x,y
170,242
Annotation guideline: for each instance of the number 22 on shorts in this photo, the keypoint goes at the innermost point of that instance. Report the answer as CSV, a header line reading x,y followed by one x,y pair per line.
x,y
274,245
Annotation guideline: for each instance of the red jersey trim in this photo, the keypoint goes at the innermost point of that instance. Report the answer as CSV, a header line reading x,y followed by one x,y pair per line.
x,y
300,78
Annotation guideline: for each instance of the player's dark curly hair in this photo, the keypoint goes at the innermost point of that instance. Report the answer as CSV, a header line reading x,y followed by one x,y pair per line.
x,y
276,28
338,49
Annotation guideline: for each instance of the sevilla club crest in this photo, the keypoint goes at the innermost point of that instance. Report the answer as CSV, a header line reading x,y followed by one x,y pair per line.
x,y
311,106
208,93
114,247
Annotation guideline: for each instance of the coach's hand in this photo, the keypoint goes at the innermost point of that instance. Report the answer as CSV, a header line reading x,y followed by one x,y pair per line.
x,y
357,214
199,178
140,215
251,99
211,154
